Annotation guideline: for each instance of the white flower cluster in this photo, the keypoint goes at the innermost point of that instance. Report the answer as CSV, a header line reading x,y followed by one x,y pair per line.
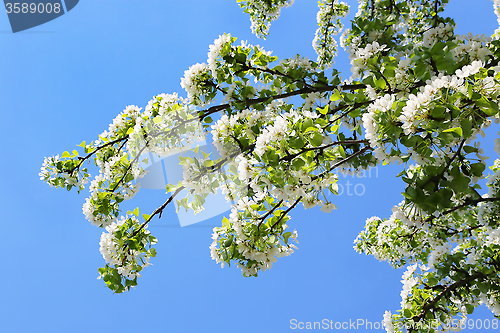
x,y
54,173
238,233
309,104
471,47
491,302
409,216
214,52
496,8
468,70
329,25
163,104
414,113
488,212
126,117
245,168
278,130
199,182
387,239
101,210
167,127
370,124
388,325
438,254
222,129
127,261
88,208
108,166
408,282
297,62
262,13
255,255
359,56
437,34
47,172
190,81
402,76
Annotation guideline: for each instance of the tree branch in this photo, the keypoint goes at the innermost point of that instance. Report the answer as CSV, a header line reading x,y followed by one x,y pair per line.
x,y
443,293
286,212
83,159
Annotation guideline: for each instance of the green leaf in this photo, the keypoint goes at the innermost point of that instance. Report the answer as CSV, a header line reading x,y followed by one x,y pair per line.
x,y
298,163
306,124
456,130
325,109
460,184
420,70
316,139
477,169
466,125
335,96
297,143
389,72
438,111
431,282
380,83
286,236
341,151
311,129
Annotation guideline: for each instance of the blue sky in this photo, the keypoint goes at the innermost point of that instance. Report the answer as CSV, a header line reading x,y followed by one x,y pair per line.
x,y
64,82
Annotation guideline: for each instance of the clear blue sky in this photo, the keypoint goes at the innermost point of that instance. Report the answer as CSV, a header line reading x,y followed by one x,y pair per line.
x,y
64,82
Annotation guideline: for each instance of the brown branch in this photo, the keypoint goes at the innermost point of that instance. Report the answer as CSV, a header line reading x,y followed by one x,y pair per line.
x,y
129,167
443,293
286,212
343,161
263,218
83,159
465,204
347,142
249,102
159,210
446,166
271,71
